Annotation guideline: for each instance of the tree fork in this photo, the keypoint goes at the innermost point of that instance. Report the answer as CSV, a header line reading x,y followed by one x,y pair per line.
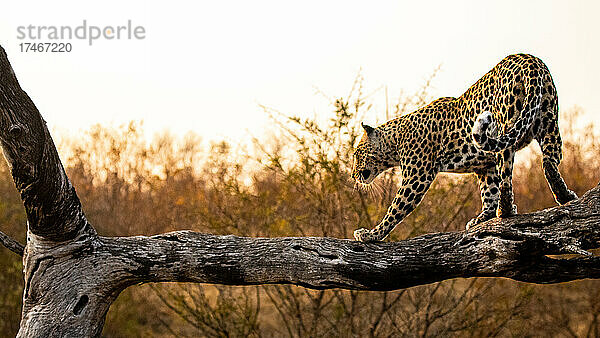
x,y
72,275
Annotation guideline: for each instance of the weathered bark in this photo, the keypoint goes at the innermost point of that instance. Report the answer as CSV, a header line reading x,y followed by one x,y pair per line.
x,y
52,206
72,275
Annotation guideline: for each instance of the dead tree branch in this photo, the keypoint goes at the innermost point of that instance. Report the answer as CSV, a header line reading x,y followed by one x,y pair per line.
x,y
72,275
11,244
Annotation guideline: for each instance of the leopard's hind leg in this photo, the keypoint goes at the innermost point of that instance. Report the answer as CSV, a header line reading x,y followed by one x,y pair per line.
x,y
489,181
551,144
506,206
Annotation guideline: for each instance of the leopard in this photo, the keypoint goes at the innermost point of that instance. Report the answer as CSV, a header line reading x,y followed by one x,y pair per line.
x,y
477,133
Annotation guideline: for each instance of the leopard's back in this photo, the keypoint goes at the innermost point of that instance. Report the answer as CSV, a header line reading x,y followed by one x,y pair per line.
x,y
520,95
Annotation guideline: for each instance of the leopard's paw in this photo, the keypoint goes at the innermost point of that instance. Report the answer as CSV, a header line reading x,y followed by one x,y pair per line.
x,y
502,213
568,197
471,223
362,235
482,217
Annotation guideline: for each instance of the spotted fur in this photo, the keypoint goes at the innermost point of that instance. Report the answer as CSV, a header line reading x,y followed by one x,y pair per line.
x,y
479,132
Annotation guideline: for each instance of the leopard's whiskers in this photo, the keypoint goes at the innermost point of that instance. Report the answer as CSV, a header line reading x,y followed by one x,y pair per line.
x,y
377,190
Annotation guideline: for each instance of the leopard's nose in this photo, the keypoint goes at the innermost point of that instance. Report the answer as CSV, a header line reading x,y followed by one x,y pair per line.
x,y
365,173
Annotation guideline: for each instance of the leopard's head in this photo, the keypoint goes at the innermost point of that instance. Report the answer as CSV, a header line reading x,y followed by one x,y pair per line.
x,y
369,156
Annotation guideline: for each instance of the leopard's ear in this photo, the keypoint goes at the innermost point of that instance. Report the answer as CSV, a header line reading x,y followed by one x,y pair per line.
x,y
368,129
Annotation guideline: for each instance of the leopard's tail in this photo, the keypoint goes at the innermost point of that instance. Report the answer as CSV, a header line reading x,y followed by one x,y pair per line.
x,y
486,130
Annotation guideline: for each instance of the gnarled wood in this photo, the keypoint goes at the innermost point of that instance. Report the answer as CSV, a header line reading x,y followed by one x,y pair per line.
x,y
72,275
52,206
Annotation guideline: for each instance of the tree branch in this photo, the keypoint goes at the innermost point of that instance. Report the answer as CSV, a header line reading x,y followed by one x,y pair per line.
x,y
52,206
515,248
11,244
72,275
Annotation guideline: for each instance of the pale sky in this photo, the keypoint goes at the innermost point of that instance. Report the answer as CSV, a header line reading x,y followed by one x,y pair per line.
x,y
206,65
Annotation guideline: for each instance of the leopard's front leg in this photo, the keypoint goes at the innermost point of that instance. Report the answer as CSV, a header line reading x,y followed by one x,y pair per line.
x,y
409,195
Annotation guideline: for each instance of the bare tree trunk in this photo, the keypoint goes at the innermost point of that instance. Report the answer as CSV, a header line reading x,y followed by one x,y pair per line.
x,y
72,275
